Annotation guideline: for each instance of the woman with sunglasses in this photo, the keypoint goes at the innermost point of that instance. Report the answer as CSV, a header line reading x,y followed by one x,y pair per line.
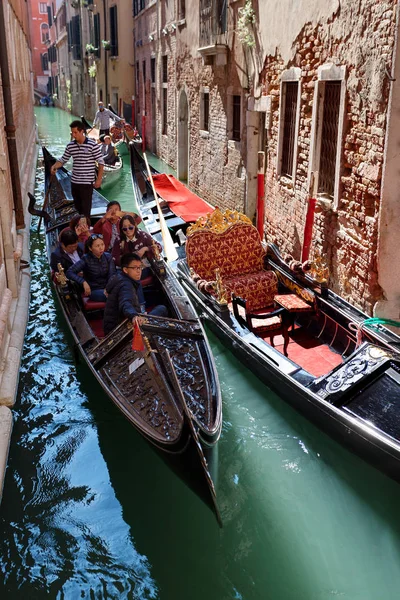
x,y
134,240
108,225
94,270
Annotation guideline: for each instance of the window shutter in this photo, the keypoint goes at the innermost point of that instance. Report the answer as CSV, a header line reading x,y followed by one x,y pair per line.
x,y
96,26
76,38
113,31
49,16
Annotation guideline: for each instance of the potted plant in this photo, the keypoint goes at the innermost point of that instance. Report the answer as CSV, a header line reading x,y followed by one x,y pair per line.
x,y
106,44
90,49
92,71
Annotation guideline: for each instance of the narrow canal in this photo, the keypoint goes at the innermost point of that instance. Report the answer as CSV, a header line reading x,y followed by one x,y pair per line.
x,y
89,511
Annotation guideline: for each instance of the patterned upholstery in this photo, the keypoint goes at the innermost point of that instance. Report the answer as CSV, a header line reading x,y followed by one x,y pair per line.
x,y
258,289
293,303
236,251
239,255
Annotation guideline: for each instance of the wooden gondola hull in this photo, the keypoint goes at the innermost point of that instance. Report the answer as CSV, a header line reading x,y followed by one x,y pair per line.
x,y
375,447
141,384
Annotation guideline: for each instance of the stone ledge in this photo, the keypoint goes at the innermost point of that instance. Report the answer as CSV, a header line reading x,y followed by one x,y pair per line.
x,y
6,423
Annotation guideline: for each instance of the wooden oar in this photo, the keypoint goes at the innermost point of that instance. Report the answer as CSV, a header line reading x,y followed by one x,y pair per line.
x,y
46,200
169,248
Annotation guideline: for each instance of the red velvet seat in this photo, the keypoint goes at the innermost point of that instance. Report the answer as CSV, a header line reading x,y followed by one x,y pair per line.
x,y
91,305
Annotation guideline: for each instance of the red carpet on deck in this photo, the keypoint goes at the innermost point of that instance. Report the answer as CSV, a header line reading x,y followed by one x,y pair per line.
x,y
181,201
311,354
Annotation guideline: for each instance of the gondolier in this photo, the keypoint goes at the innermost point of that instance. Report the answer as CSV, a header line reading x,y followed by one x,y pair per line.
x,y
102,119
84,153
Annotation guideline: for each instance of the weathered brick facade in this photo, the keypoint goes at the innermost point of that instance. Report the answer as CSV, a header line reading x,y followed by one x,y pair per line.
x,y
348,235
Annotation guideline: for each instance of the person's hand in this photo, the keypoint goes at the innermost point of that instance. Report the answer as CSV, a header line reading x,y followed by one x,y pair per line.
x,y
97,183
86,289
53,170
81,228
142,251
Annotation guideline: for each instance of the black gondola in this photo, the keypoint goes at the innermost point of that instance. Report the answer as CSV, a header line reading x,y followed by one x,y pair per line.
x,y
321,354
170,392
352,391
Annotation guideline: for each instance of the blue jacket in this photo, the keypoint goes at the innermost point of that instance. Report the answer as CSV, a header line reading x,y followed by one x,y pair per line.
x,y
124,298
97,272
60,256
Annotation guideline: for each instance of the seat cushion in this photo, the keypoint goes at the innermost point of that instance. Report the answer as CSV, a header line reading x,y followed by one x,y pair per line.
x,y
258,289
91,305
293,303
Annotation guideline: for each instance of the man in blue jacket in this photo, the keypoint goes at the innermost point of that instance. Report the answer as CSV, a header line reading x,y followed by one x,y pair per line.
x,y
68,251
125,294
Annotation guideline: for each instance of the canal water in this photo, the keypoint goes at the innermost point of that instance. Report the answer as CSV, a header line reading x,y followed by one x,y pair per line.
x,y
90,511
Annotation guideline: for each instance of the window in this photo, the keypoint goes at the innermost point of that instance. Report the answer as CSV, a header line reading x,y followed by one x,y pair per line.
x,y
76,38
144,72
101,95
205,111
42,8
137,86
96,34
327,131
44,32
44,60
181,9
153,70
236,110
113,31
50,15
165,69
329,138
164,110
288,123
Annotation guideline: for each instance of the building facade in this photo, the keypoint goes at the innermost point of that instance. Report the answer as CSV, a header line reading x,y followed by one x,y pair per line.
x,y
313,86
18,154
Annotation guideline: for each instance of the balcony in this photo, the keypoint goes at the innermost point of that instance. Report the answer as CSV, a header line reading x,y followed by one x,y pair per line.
x,y
213,47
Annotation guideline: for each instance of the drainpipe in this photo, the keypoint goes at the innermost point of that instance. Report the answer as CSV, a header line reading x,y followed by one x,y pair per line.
x,y
10,127
105,53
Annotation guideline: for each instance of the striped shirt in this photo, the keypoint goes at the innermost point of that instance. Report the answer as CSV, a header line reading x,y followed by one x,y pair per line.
x,y
84,157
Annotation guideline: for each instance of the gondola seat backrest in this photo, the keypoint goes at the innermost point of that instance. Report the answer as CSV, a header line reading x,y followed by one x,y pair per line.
x,y
229,242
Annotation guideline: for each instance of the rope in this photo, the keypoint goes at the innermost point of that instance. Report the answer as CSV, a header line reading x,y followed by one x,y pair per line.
x,y
373,322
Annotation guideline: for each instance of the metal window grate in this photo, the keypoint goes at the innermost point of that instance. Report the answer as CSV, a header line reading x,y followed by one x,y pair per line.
x,y
329,138
165,69
165,110
290,90
236,109
206,110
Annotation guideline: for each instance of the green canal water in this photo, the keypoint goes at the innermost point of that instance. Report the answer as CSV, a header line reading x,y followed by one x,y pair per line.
x,y
90,511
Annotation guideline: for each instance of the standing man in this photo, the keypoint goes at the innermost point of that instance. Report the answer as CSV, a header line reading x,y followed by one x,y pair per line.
x,y
102,119
84,153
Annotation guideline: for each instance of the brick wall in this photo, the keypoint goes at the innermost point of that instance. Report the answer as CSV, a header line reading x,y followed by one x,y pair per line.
x,y
348,235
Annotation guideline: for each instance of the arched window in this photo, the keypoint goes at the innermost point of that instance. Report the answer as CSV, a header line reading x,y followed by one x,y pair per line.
x,y
44,31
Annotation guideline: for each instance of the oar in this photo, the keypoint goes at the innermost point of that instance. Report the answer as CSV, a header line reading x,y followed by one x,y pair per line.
x,y
169,248
46,200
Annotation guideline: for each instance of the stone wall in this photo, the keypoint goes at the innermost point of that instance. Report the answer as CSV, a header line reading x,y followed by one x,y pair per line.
x,y
363,42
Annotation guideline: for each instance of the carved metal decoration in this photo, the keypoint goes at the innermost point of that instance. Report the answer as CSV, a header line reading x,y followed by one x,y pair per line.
x,y
220,289
140,392
294,287
218,221
366,361
319,269
60,276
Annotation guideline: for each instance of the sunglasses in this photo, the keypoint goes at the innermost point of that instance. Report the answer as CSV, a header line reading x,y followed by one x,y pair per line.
x,y
96,236
128,228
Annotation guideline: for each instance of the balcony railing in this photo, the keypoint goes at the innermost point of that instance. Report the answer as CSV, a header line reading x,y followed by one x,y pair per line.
x,y
212,21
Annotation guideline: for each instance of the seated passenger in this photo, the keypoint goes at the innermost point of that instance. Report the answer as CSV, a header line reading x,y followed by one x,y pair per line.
x,y
81,225
68,252
108,225
108,150
125,295
97,267
131,239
